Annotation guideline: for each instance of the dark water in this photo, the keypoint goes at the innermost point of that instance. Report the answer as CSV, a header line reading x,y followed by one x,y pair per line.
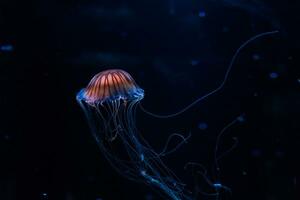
x,y
176,51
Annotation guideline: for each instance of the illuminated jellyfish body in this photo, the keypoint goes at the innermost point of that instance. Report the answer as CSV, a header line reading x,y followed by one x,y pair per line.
x,y
109,102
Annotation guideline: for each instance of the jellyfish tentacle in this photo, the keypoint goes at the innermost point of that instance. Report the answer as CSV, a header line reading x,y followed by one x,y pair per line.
x,y
165,150
221,85
109,102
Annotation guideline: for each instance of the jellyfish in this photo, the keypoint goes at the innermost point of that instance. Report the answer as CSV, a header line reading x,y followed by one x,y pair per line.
x,y
109,103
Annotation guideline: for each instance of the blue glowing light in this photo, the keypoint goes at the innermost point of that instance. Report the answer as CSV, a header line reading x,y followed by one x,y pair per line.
x,y
217,185
194,62
7,47
202,13
273,75
202,126
241,118
142,157
44,195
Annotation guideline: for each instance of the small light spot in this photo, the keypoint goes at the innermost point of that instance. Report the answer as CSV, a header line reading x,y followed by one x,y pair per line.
x,y
44,195
273,75
194,62
154,180
202,13
217,185
202,126
241,118
256,57
244,173
7,47
143,172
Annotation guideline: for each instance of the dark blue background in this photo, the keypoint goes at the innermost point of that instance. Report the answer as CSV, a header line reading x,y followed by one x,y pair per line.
x,y
177,50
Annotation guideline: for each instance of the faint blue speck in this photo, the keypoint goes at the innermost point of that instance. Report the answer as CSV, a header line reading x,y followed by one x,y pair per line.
x,y
217,185
241,118
194,62
273,75
44,196
7,47
202,126
202,13
256,57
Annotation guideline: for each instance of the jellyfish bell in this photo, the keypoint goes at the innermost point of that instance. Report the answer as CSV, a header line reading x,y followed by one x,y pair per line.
x,y
109,102
111,85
